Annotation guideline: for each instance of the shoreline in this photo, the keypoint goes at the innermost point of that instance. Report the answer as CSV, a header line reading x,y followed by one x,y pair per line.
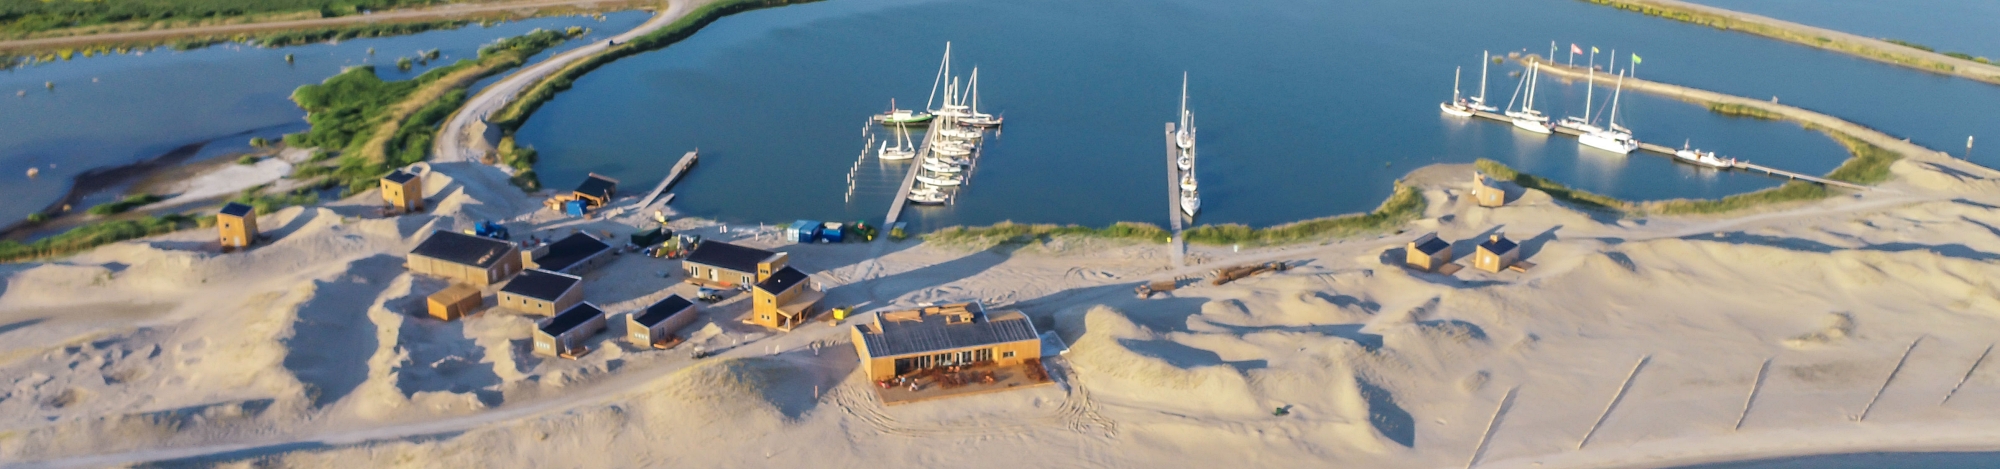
x,y
1811,36
449,12
97,180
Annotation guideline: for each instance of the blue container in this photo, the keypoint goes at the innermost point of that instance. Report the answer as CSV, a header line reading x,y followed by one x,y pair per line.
x,y
832,233
575,208
802,231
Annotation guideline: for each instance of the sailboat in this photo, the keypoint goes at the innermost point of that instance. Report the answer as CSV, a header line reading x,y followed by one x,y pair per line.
x,y
1616,138
928,195
1190,202
940,167
976,118
1185,135
1704,158
902,151
1187,181
1583,125
940,179
1528,118
1458,106
902,117
1478,103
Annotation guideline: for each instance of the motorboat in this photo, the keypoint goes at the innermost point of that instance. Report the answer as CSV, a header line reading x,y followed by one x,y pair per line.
x,y
1190,202
1704,158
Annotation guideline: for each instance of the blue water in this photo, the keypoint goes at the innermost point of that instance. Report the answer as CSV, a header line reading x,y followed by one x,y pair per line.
x,y
119,109
1306,109
1947,25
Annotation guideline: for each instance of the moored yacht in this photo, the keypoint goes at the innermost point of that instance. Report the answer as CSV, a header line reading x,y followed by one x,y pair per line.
x,y
1528,118
1616,139
902,117
1190,202
902,151
1458,106
928,195
1704,158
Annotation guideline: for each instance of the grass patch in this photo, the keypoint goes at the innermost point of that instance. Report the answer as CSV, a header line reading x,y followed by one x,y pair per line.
x,y
1405,204
1556,190
1792,191
267,203
1010,232
1909,44
1744,110
1870,164
125,205
90,236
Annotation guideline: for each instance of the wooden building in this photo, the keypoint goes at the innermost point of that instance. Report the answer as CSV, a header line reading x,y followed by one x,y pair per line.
x,y
784,299
455,302
723,265
597,190
541,292
237,224
1427,253
574,254
475,260
1487,191
1496,253
655,326
403,190
904,342
565,334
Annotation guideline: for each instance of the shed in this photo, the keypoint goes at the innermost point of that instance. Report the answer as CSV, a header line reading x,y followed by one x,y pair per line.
x,y
403,190
1487,191
597,189
542,292
474,260
655,325
237,223
1427,252
1496,253
803,231
574,254
564,334
455,301
904,342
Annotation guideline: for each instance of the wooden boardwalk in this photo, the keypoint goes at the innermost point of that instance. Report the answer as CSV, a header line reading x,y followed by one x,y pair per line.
x,y
1178,244
680,169
910,180
1668,152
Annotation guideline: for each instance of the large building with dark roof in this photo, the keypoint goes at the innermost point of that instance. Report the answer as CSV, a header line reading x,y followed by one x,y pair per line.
x,y
474,260
656,325
784,299
905,342
1496,253
541,292
574,254
566,334
723,265
237,224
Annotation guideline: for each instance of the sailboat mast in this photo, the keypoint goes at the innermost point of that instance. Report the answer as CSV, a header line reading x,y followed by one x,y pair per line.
x,y
1615,94
1484,58
1454,83
1529,104
975,91
1590,88
1184,113
943,68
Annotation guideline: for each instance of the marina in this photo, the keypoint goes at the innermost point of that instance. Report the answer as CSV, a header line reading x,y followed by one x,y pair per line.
x,y
942,166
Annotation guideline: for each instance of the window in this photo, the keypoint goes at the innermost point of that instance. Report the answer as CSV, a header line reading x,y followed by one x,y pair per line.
x,y
1007,354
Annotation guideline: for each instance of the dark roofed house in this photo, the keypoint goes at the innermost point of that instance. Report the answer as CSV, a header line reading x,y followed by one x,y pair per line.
x,y
564,334
574,254
784,299
905,342
1496,253
597,189
475,260
655,325
542,292
1427,253
720,264
237,223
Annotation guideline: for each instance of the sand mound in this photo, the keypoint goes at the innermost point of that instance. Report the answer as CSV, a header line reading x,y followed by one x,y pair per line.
x,y
736,390
1839,326
1099,347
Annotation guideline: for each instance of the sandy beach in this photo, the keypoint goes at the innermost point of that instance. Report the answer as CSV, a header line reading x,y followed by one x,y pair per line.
x,y
310,351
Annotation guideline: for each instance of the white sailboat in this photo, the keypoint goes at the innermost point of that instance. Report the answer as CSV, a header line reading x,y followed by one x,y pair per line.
x,y
1616,138
1190,202
1704,158
1184,137
903,149
928,195
1478,103
1187,181
940,180
976,118
1458,106
1583,125
941,167
1528,118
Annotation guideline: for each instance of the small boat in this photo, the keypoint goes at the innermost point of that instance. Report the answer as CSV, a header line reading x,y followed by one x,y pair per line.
x,y
976,118
961,134
950,150
1528,118
928,196
902,151
1188,182
1458,106
1704,158
902,117
945,160
941,180
1190,202
1186,161
936,166
1616,139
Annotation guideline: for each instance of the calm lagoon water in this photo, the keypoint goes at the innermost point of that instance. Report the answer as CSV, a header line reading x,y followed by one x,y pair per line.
x,y
120,109
1306,109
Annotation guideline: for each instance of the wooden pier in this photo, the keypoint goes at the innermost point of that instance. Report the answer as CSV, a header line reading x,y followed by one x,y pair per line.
x,y
1668,152
680,169
910,180
1178,244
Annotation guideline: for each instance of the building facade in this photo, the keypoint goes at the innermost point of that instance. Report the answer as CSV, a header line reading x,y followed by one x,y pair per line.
x,y
574,254
474,260
723,265
905,342
1427,253
656,325
455,302
237,223
567,333
1496,253
541,292
1487,191
784,299
403,190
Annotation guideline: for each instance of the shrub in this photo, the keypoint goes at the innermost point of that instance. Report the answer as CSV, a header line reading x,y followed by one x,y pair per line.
x,y
124,205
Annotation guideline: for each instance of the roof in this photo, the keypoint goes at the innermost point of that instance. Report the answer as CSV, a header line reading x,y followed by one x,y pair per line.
x,y
236,210
570,250
541,284
1498,245
783,279
597,186
663,309
570,318
1433,245
728,256
461,248
931,334
399,176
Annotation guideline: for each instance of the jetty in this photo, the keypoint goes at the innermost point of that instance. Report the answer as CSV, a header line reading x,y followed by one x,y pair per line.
x,y
910,180
681,168
1178,244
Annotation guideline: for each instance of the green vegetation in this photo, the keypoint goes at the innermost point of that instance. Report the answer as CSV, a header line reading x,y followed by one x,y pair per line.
x,y
379,125
1744,110
1556,190
260,142
1909,44
1010,232
246,160
23,18
125,205
1870,164
1869,50
1792,191
522,159
92,235
1407,203
267,203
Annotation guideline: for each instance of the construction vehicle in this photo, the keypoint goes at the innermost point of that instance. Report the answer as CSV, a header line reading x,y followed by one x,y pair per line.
x,y
1230,274
490,229
862,230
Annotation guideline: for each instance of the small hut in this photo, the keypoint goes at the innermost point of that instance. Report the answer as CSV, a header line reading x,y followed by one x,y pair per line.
x,y
403,190
564,334
596,190
455,302
1496,253
237,224
655,325
1427,253
1487,191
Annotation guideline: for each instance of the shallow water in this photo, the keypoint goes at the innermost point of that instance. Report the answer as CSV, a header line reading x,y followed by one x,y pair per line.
x,y
120,109
1306,109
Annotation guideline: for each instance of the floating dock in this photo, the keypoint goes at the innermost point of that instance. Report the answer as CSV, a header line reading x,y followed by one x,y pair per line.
x,y
680,169
1668,152
1177,245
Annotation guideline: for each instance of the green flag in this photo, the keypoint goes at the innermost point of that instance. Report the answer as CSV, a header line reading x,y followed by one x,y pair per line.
x,y
1635,58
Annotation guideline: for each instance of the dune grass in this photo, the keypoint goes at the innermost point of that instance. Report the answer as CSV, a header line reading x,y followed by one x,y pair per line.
x,y
1744,110
125,205
92,235
1010,232
1557,190
1405,204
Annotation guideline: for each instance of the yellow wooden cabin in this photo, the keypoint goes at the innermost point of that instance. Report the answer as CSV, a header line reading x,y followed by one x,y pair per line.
x,y
237,224
403,190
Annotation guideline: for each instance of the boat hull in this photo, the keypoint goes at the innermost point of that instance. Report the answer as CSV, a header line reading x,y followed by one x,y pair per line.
x,y
1455,111
941,182
1608,143
1538,127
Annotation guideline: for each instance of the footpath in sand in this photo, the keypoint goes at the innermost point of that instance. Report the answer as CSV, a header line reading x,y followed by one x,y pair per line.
x,y
306,352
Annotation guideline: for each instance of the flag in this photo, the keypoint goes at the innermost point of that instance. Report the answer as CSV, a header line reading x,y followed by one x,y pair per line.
x,y
1573,49
1635,58
1593,49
